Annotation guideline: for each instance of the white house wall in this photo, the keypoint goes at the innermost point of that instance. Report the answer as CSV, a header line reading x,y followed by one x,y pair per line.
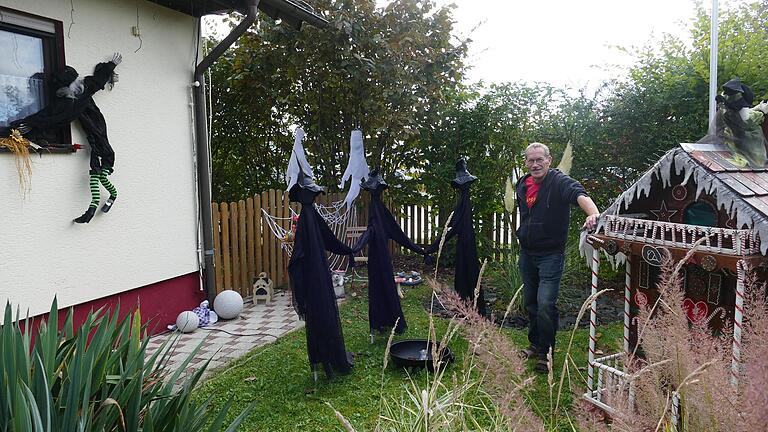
x,y
150,233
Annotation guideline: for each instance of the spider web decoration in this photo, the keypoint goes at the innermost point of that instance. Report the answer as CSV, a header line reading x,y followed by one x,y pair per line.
x,y
337,215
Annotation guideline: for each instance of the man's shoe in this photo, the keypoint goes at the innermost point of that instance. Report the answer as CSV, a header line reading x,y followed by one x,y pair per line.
x,y
529,352
541,366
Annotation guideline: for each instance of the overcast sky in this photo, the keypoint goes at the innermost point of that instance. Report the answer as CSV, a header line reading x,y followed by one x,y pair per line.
x,y
564,42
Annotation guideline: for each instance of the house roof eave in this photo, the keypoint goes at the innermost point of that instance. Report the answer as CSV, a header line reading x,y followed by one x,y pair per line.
x,y
294,12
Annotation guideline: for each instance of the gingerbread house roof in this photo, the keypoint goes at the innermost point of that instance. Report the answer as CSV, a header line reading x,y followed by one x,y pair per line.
x,y
740,190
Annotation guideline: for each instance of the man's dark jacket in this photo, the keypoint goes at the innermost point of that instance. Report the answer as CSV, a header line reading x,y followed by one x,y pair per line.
x,y
544,226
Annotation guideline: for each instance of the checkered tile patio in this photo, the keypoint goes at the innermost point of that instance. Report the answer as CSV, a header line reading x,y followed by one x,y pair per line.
x,y
258,324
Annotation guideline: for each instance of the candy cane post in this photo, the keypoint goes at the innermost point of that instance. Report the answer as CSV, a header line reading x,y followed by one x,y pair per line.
x,y
738,317
627,281
593,319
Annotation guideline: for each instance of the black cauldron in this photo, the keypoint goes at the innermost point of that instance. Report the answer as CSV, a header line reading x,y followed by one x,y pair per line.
x,y
414,276
417,353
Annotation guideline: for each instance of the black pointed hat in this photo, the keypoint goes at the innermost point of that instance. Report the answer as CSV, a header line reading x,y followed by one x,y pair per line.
x,y
462,175
374,182
737,94
304,182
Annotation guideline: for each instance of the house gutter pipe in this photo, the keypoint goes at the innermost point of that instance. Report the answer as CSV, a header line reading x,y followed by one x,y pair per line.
x,y
203,151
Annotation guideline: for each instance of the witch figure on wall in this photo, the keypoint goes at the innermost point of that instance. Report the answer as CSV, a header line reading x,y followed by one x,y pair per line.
x,y
383,301
74,101
310,276
461,226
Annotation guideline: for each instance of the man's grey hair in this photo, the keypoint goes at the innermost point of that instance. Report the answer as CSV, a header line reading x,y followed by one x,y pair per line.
x,y
537,145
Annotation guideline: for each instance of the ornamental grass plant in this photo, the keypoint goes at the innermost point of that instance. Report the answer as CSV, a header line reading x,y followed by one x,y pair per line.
x,y
684,381
96,376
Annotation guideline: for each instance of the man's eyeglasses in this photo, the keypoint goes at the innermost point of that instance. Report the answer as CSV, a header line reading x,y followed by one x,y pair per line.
x,y
537,161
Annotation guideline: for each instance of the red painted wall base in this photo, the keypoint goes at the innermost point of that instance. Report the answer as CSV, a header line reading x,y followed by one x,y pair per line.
x,y
160,302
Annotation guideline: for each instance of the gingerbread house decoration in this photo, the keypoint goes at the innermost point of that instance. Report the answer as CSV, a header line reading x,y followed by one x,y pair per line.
x,y
694,192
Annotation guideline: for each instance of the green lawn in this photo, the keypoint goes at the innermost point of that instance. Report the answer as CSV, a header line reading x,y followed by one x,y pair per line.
x,y
277,376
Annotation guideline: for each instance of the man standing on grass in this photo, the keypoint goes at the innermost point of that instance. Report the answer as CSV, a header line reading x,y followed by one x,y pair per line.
x,y
544,197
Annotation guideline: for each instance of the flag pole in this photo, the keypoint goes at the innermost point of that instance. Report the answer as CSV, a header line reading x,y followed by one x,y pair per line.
x,y
712,68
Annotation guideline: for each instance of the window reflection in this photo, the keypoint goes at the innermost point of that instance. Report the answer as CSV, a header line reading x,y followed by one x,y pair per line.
x,y
22,88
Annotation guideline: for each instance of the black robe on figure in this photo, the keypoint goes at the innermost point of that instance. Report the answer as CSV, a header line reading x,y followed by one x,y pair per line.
x,y
467,262
68,107
313,295
383,300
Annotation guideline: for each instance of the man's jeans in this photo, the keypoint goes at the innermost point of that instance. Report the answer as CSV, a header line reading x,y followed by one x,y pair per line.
x,y
541,280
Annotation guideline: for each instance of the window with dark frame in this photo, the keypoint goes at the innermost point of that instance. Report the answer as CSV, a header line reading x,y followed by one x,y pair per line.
x,y
33,51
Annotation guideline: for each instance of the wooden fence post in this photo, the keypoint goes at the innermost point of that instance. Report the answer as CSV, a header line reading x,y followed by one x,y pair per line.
x,y
266,238
273,243
250,240
217,248
242,248
225,246
234,248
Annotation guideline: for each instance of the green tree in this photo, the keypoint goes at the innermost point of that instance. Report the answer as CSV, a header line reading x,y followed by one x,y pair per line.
x,y
490,127
385,70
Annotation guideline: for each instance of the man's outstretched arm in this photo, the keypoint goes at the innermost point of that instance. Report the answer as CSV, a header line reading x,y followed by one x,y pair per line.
x,y
590,209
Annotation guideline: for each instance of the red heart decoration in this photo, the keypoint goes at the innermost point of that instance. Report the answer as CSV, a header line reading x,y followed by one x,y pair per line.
x,y
641,299
696,312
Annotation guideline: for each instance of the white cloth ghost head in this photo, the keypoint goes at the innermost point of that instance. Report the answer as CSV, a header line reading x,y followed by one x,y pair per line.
x,y
357,168
298,159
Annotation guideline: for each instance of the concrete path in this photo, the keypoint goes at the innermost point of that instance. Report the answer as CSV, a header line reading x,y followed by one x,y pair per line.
x,y
258,324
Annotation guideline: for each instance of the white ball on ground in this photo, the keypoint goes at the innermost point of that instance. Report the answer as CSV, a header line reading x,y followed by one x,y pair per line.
x,y
187,322
228,304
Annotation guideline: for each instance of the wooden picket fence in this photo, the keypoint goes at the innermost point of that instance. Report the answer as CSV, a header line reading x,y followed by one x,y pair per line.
x,y
244,245
421,224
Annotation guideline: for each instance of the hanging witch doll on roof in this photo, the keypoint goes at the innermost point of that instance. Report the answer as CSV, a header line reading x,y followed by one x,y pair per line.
x,y
739,125
74,101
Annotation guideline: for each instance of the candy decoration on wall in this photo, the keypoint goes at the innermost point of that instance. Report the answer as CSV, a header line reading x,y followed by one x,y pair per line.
x,y
715,284
74,101
655,256
679,192
696,312
709,263
641,300
663,213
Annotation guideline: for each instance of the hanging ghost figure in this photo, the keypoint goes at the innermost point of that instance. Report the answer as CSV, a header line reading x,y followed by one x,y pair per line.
x,y
461,225
357,167
313,295
298,161
74,101
739,125
383,301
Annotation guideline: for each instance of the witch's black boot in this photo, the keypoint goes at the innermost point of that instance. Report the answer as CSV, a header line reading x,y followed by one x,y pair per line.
x,y
87,216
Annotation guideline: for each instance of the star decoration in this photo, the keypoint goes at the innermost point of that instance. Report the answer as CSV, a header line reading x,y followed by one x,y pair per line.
x,y
663,213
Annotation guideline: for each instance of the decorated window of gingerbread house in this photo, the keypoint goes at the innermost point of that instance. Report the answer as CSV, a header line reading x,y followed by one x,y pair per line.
x,y
695,193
